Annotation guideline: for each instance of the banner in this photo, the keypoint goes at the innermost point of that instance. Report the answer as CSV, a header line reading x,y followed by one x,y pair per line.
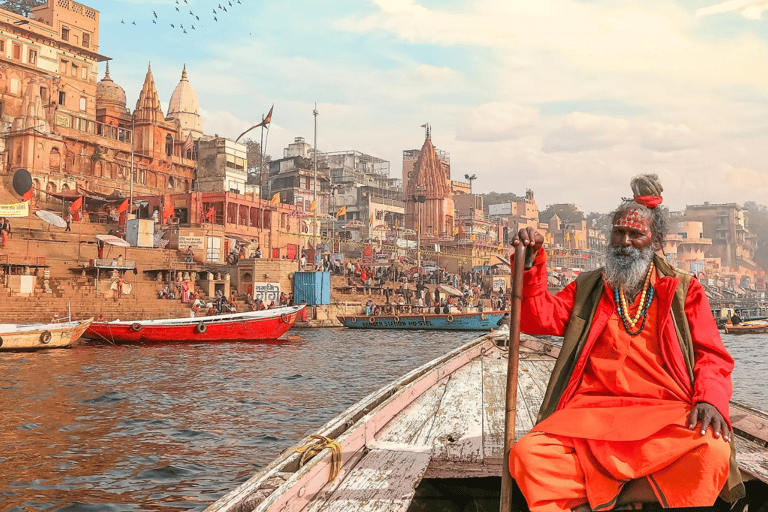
x,y
267,292
14,210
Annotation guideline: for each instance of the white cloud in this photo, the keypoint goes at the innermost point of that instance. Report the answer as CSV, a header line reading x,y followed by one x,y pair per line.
x,y
668,137
585,132
497,122
750,9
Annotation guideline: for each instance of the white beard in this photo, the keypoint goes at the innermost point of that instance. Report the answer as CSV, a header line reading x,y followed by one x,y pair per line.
x,y
627,266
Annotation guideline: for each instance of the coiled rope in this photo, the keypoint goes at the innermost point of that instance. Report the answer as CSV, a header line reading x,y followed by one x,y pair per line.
x,y
317,444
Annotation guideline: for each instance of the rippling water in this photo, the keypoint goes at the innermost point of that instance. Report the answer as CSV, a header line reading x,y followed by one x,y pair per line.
x,y
173,427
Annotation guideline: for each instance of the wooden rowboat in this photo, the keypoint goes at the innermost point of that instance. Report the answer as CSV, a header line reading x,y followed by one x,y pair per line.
x,y
41,336
434,439
268,324
428,321
748,327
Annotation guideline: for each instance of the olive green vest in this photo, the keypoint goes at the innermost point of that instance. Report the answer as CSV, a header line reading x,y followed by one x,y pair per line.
x,y
589,291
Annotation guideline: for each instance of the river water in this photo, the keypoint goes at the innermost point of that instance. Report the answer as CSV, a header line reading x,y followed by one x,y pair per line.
x,y
173,427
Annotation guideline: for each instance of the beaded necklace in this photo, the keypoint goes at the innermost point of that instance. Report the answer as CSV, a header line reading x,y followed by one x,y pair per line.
x,y
622,306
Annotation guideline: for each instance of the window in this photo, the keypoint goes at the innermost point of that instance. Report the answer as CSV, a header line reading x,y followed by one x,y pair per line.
x,y
32,56
86,40
83,102
2,46
63,66
75,69
62,98
44,94
84,72
16,51
65,33
168,146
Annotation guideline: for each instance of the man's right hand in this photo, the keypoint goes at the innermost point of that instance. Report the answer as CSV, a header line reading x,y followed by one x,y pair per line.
x,y
532,239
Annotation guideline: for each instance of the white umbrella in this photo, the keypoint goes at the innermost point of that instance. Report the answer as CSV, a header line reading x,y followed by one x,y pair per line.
x,y
51,218
113,240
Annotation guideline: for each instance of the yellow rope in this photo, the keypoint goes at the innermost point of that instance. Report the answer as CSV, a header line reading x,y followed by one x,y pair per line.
x,y
315,445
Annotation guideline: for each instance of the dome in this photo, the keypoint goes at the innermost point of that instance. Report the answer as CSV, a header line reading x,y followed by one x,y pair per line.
x,y
185,107
108,92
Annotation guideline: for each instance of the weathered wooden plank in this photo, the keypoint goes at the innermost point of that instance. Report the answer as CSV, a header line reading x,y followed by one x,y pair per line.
x,y
531,390
383,481
415,419
494,403
457,430
752,458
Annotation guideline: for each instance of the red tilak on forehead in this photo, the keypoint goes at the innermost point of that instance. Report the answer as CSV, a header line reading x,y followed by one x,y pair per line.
x,y
634,219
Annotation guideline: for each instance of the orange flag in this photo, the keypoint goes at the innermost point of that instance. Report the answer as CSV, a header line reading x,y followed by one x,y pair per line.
x,y
342,211
28,195
123,206
275,199
167,207
77,204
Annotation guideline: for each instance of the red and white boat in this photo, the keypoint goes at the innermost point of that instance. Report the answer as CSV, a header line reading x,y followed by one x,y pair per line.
x,y
268,324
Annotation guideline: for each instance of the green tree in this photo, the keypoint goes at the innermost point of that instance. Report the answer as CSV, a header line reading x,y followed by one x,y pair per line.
x,y
568,212
253,154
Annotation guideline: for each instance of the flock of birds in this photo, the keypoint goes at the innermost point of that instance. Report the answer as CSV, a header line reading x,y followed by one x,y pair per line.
x,y
191,26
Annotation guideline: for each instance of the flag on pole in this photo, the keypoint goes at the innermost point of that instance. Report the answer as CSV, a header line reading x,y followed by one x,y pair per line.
x,y
342,211
313,206
275,199
370,220
28,195
77,204
167,207
473,238
123,206
501,246
210,213
567,237
455,230
397,223
265,122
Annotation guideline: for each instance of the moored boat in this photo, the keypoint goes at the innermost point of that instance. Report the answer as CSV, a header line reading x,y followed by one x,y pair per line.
x,y
428,321
41,336
268,324
748,327
434,440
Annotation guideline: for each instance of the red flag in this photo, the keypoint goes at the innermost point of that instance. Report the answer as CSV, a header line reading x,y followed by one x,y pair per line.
x,y
167,207
264,122
77,204
210,213
123,206
28,195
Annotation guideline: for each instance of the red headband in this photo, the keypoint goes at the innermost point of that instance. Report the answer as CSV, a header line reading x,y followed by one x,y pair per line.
x,y
649,201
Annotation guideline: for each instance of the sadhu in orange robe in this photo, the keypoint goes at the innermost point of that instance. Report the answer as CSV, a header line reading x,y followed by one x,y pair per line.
x,y
626,420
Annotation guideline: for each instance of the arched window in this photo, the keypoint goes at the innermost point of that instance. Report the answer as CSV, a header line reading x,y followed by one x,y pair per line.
x,y
36,185
54,161
171,182
168,145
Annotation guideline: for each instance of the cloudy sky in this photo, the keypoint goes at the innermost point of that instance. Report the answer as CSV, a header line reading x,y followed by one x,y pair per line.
x,y
569,98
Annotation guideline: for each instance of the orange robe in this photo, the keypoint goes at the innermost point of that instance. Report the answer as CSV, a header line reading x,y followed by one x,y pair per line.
x,y
626,421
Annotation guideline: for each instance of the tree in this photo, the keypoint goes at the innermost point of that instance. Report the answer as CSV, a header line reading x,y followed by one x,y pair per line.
x,y
757,223
253,154
568,212
22,7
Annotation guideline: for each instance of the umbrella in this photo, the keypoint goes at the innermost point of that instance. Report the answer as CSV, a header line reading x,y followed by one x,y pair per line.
x,y
355,224
113,240
409,232
51,218
381,226
450,290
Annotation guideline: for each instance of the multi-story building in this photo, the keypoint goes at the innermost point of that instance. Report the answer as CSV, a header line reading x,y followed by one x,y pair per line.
x,y
521,212
294,178
372,200
686,247
222,166
725,226
72,134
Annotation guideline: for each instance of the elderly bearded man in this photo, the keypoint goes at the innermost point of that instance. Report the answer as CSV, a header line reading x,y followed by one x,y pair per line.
x,y
636,409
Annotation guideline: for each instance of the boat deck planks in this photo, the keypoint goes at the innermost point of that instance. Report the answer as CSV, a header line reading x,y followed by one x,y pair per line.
x,y
382,481
443,420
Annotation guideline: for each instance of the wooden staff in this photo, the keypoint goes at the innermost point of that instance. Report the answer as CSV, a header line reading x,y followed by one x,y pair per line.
x,y
516,291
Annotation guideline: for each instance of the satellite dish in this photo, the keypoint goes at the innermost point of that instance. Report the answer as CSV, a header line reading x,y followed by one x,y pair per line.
x,y
22,181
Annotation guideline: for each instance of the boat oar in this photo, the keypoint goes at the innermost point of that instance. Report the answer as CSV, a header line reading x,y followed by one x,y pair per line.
x,y
512,364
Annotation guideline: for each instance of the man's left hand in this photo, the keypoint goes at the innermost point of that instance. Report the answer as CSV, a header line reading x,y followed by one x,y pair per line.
x,y
707,415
